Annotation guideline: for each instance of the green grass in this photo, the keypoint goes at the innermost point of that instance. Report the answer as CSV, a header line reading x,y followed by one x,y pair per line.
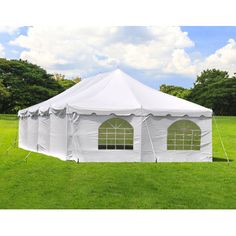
x,y
45,182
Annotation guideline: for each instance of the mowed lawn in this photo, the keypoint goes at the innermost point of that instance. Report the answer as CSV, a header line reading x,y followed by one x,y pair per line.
x,y
48,183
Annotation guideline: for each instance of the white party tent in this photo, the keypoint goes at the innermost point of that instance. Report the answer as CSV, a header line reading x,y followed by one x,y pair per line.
x,y
112,117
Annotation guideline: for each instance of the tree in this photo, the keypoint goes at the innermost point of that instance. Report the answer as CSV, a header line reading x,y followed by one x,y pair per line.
x,y
216,90
26,84
77,79
209,76
4,94
58,77
66,83
175,90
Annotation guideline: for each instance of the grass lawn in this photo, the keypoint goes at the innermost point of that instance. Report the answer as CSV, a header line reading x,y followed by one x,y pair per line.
x,y
45,182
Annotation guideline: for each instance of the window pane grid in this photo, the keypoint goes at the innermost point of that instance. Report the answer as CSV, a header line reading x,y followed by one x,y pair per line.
x,y
184,139
115,138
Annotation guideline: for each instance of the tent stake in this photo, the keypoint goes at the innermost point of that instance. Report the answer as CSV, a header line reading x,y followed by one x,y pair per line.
x,y
12,145
27,156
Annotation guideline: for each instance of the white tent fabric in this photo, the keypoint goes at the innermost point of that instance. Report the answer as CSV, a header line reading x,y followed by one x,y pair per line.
x,y
66,126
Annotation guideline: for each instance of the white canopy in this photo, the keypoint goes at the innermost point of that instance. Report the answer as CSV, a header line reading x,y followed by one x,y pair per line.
x,y
116,93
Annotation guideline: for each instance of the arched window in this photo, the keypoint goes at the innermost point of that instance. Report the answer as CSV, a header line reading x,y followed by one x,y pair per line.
x,y
184,135
115,133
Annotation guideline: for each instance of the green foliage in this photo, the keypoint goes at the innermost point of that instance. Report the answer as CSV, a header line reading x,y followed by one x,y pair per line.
x,y
175,90
209,76
58,77
216,90
4,94
77,79
45,182
66,83
26,84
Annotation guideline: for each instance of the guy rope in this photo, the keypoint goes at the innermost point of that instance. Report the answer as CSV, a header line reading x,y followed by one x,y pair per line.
x,y
221,141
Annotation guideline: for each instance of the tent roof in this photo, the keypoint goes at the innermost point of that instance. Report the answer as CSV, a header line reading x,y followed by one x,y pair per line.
x,y
118,93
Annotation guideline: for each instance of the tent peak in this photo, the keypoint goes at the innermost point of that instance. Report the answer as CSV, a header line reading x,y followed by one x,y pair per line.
x,y
118,71
119,93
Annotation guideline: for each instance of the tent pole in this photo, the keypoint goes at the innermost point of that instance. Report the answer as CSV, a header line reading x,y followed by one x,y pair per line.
x,y
221,141
67,137
153,150
75,119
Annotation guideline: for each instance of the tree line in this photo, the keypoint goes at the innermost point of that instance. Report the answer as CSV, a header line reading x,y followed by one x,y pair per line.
x,y
213,88
23,84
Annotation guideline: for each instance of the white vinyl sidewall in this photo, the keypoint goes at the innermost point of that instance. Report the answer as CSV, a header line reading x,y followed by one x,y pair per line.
x,y
75,137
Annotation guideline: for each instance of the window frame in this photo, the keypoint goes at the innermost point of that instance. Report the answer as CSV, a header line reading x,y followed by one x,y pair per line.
x,y
127,136
184,139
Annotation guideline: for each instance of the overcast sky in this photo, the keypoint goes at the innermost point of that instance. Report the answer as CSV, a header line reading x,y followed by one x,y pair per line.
x,y
153,55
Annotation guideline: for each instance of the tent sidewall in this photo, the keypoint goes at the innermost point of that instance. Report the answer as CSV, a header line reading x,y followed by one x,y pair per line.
x,y
75,137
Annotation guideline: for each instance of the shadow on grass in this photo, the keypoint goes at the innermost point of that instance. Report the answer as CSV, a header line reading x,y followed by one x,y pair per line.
x,y
221,159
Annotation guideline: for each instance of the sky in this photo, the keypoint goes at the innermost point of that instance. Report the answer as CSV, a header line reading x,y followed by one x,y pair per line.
x,y
153,55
